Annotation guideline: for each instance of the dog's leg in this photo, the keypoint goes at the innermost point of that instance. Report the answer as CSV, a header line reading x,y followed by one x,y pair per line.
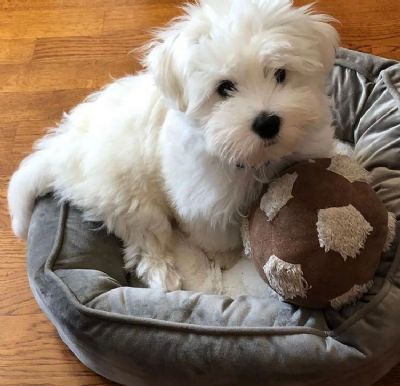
x,y
147,236
152,265
227,259
220,243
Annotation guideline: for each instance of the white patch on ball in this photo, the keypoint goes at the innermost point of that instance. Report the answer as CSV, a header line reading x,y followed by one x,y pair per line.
x,y
343,230
349,169
285,278
351,296
391,231
278,194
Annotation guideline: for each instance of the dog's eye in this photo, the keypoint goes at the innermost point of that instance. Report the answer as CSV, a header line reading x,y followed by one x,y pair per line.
x,y
225,88
280,75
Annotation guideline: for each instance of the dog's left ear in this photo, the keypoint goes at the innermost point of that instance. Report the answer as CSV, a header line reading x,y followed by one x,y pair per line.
x,y
327,39
162,62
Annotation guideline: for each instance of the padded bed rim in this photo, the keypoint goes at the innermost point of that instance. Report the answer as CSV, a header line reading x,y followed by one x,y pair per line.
x,y
367,372
209,330
91,359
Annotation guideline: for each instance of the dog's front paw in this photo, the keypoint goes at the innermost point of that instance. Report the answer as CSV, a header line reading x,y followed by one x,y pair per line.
x,y
168,279
159,273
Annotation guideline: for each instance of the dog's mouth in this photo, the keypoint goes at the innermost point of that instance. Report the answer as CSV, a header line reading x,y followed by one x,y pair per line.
x,y
260,157
269,142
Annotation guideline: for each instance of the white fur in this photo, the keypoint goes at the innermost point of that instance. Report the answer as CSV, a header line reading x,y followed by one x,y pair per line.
x,y
163,144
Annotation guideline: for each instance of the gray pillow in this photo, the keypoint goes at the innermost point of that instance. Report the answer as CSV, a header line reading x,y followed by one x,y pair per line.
x,y
139,336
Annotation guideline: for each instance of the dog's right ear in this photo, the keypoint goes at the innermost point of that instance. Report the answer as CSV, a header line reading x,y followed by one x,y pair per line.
x,y
161,61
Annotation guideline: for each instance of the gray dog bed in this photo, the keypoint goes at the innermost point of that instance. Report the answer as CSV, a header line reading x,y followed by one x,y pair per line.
x,y
138,336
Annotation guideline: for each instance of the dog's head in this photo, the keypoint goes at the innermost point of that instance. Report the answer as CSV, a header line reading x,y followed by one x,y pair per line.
x,y
251,73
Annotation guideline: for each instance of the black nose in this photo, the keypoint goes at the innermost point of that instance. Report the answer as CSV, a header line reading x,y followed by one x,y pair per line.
x,y
266,126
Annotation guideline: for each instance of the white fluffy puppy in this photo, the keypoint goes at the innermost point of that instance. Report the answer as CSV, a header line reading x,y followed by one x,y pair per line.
x,y
229,91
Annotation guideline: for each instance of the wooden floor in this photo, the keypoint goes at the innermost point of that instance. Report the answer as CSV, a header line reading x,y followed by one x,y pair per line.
x,y
52,54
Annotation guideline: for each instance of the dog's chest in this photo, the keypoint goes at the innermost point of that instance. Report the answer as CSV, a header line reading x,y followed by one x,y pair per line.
x,y
199,185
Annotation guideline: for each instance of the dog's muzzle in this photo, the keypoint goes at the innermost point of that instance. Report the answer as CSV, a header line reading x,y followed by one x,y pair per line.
x,y
266,126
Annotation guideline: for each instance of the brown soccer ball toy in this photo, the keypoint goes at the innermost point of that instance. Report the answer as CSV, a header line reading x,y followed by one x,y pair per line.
x,y
317,234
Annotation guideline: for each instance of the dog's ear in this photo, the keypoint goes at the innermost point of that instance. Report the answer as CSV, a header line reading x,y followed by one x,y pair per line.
x,y
168,56
161,61
327,39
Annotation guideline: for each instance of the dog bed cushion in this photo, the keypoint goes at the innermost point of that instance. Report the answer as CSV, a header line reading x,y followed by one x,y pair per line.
x,y
140,336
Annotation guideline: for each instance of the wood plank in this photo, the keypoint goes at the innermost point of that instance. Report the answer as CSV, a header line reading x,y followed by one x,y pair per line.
x,y
20,145
50,22
88,74
33,354
112,46
16,51
38,106
16,281
51,4
141,17
26,134
6,144
368,26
